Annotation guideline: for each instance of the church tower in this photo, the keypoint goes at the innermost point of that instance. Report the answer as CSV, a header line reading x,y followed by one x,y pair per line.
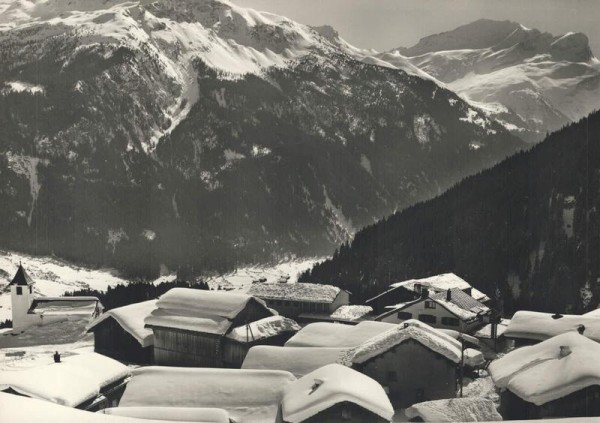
x,y
21,296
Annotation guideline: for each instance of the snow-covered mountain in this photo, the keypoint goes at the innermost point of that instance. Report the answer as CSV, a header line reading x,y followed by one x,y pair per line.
x,y
532,81
197,132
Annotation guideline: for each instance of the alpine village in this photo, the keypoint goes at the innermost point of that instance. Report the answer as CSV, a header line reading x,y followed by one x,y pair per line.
x,y
214,214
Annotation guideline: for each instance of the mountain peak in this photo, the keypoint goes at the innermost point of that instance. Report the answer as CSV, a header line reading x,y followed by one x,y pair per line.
x,y
481,33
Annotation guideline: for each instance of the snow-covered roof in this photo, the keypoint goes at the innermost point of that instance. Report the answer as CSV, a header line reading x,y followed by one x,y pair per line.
x,y
440,283
18,409
420,332
131,318
75,380
540,326
549,370
183,414
263,328
474,358
331,385
455,410
247,395
305,292
593,313
199,310
325,334
351,312
486,331
65,305
461,305
296,360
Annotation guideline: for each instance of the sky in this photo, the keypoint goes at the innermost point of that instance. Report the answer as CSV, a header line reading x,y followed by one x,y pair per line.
x,y
386,24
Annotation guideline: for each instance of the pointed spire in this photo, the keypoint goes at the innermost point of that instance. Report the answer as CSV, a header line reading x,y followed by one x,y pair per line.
x,y
21,277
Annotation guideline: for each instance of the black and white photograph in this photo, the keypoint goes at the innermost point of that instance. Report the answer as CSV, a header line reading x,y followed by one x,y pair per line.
x,y
299,211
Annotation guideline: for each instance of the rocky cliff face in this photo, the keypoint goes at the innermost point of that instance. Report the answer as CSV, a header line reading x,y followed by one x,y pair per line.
x,y
178,132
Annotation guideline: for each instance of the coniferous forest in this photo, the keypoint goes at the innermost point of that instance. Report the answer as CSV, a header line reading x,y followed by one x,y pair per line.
x,y
526,231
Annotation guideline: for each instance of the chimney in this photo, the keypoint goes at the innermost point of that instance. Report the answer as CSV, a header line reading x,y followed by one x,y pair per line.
x,y
406,325
424,292
449,295
318,382
581,329
564,351
56,357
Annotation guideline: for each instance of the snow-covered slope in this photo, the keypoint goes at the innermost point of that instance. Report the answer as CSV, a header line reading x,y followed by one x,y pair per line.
x,y
207,134
533,82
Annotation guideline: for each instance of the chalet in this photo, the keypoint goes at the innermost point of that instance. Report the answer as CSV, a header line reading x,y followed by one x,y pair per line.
x,y
335,393
120,333
31,310
454,410
248,396
452,309
85,381
190,326
558,377
297,360
413,361
411,289
295,299
335,335
531,327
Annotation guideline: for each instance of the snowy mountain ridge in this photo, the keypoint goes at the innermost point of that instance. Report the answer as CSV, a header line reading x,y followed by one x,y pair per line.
x,y
531,81
203,132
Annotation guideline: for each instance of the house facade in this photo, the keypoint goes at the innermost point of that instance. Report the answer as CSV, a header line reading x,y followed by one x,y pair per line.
x,y
413,362
453,310
412,289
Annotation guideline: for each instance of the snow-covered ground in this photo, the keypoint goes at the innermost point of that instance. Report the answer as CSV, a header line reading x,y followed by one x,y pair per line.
x,y
54,277
242,278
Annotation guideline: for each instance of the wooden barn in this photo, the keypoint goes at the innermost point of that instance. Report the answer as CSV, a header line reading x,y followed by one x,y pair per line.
x,y
120,333
190,326
411,289
559,377
307,299
85,381
333,394
413,362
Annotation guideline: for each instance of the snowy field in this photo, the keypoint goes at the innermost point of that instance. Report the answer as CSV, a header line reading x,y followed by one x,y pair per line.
x,y
54,277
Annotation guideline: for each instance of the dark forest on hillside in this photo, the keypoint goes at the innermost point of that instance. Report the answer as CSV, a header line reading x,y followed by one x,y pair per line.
x,y
526,231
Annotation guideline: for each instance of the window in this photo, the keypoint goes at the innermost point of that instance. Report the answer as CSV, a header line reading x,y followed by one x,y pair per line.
x,y
450,321
429,304
391,376
427,318
19,290
404,315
